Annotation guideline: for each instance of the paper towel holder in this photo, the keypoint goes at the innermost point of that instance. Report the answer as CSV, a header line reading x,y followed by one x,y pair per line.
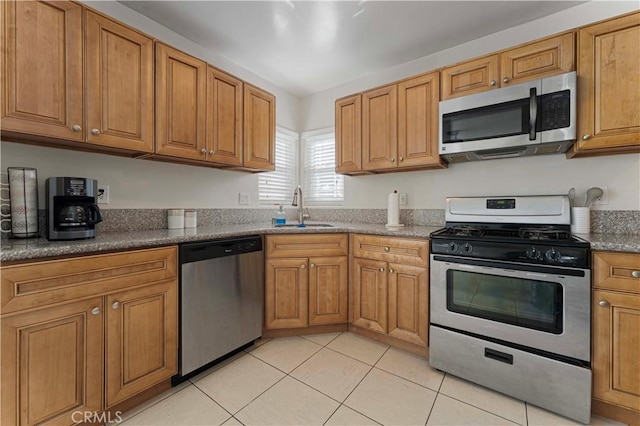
x,y
393,211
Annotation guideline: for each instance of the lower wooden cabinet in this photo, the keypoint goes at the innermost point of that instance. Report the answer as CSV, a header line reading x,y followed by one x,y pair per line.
x,y
391,297
307,290
141,339
616,336
81,335
52,363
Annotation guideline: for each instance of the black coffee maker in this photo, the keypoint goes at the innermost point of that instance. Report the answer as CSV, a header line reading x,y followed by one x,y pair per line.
x,y
72,208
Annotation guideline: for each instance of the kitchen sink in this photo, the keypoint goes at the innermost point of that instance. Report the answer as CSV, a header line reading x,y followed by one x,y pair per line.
x,y
306,225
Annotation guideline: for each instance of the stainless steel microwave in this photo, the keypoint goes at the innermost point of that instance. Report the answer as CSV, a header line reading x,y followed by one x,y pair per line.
x,y
537,117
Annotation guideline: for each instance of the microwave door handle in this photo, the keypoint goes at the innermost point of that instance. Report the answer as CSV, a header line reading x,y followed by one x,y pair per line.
x,y
533,113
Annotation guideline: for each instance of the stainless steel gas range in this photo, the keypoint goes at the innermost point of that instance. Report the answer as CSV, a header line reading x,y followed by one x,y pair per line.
x,y
510,300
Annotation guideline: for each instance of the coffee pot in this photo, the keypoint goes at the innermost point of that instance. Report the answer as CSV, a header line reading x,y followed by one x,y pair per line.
x,y
79,215
72,208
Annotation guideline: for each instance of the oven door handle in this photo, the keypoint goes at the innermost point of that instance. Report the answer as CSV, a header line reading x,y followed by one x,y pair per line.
x,y
492,266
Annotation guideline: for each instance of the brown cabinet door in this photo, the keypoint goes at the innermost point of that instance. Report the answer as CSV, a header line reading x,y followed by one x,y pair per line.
x,y
608,87
616,271
475,76
119,85
616,345
286,293
418,100
349,134
52,364
408,303
181,82
380,128
224,118
42,69
259,129
370,294
141,339
539,59
328,302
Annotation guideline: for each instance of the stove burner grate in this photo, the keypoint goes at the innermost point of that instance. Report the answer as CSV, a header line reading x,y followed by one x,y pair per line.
x,y
466,231
544,233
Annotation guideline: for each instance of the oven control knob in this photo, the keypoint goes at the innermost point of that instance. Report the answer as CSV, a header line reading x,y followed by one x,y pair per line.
x,y
533,253
552,254
453,247
468,248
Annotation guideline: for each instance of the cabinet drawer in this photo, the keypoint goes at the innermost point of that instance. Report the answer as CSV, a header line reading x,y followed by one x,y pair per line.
x,y
307,245
617,271
397,250
37,284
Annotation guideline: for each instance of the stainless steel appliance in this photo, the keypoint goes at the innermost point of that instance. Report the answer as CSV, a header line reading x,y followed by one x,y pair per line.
x,y
221,300
537,117
511,300
72,208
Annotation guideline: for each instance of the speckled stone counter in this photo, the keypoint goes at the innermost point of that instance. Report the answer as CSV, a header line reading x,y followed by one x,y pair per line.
x,y
16,250
613,242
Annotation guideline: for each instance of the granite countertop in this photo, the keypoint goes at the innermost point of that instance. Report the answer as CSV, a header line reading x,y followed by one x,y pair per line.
x,y
17,250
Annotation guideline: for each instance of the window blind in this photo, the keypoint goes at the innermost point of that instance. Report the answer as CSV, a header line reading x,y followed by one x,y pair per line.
x,y
277,187
321,185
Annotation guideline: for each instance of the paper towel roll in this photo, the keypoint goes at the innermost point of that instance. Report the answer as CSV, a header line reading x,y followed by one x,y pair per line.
x,y
393,209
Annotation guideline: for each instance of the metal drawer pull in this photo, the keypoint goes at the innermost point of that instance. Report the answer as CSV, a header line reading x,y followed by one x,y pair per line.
x,y
212,152
505,80
76,128
603,303
386,249
391,271
303,266
381,269
203,150
498,356
115,305
313,265
95,311
492,83
95,131
586,137
635,274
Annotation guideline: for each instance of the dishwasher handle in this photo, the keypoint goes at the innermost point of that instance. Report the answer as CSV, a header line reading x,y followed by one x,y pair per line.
x,y
195,252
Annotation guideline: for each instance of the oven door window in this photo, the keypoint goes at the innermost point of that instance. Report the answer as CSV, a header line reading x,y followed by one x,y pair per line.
x,y
494,121
523,302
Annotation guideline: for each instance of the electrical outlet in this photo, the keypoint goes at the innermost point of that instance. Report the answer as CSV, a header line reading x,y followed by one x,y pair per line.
x,y
103,194
243,198
604,199
403,198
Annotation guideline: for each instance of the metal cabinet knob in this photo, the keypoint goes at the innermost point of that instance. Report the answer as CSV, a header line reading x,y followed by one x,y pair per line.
x,y
313,265
391,271
635,274
603,303
76,128
212,152
115,305
381,269
95,131
203,150
401,158
386,249
303,266
95,311
492,83
586,137
505,80
392,160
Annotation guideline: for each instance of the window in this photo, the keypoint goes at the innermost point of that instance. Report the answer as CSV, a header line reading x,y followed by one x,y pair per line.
x,y
321,185
277,187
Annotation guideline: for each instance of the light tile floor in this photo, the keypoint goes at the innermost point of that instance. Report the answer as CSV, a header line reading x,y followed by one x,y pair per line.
x,y
334,379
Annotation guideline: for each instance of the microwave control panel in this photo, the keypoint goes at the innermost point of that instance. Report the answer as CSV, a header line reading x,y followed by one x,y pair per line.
x,y
554,111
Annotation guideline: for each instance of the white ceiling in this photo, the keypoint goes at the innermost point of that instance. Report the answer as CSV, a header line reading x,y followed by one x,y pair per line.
x,y
306,47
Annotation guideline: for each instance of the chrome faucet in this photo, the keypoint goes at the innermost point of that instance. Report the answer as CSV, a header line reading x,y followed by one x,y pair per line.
x,y
301,214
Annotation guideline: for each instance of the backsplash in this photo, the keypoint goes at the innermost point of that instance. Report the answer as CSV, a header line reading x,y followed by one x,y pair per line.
x,y
124,220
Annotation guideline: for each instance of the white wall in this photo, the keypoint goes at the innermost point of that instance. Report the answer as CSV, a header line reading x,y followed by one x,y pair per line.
x,y
533,175
149,184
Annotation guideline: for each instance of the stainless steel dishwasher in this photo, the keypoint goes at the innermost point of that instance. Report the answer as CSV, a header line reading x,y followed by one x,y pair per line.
x,y
221,300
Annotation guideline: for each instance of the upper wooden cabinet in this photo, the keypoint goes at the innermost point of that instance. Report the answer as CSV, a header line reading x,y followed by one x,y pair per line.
x,y
42,69
380,128
399,125
530,61
349,134
608,87
118,85
259,129
224,118
181,82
